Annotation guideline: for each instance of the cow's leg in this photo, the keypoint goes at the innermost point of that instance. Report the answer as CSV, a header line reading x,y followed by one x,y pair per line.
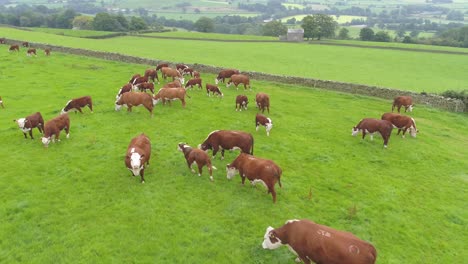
x,y
363,133
183,102
129,108
371,136
90,105
256,127
189,164
273,193
79,109
222,154
142,173
399,107
404,131
30,134
200,167
243,178
268,108
25,135
399,130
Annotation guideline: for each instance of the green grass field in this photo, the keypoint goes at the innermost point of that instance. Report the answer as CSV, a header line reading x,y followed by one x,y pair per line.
x,y
76,202
406,70
72,32
201,35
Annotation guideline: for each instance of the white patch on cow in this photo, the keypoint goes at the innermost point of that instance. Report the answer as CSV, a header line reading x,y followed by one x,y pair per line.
x,y
371,136
117,107
21,122
135,163
235,148
410,108
216,81
267,244
256,128
354,132
182,80
68,135
324,233
231,172
258,181
353,249
291,221
45,141
209,135
294,252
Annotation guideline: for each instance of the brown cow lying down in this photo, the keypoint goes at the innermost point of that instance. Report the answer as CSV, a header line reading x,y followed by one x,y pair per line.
x,y
192,82
135,99
228,140
241,102
125,89
213,89
53,127
256,170
78,103
170,94
261,120
263,102
406,101
1,102
312,242
28,123
402,123
225,74
138,154
237,79
198,156
371,125
31,51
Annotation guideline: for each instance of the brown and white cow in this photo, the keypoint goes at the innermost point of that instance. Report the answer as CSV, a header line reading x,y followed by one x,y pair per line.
x,y
196,74
31,51
53,127
403,123
228,140
237,79
161,65
14,48
1,102
406,101
78,103
47,51
138,155
138,80
174,84
152,74
256,170
198,156
372,125
142,87
261,120
181,67
175,74
225,74
27,124
192,82
241,102
2,40
135,99
312,242
213,89
125,89
170,94
134,76
188,71
25,44
263,102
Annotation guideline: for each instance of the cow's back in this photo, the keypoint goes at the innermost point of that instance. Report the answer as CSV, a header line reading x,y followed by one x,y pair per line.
x,y
141,142
135,98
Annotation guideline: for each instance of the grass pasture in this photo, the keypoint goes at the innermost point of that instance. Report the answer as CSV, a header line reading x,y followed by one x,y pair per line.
x,y
76,202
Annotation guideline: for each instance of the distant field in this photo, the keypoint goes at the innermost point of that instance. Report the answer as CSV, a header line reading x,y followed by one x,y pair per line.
x,y
354,33
414,71
76,202
339,19
72,33
194,16
200,35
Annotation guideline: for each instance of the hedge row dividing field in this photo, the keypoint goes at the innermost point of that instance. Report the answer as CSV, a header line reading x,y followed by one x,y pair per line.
x,y
76,202
404,70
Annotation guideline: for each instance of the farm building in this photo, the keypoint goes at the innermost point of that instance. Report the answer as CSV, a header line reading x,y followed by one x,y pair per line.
x,y
296,34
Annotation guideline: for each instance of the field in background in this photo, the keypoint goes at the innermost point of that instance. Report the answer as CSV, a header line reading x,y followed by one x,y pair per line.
x,y
72,32
76,200
200,35
406,70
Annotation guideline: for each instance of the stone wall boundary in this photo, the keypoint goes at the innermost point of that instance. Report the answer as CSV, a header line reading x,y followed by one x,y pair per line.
x,y
448,104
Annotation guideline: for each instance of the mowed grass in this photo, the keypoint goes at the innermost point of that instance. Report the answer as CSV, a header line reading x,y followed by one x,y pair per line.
x,y
76,201
405,70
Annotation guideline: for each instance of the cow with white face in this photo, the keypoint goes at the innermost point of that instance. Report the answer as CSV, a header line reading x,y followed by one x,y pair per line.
x,y
26,124
138,155
53,127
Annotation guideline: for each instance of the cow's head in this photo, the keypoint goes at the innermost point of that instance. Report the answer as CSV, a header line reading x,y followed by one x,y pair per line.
x,y
182,146
231,171
46,141
181,80
413,130
355,131
410,108
66,108
136,163
270,240
118,105
205,146
21,122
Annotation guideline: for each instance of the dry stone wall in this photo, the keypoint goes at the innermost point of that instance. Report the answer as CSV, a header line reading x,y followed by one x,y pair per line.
x,y
449,104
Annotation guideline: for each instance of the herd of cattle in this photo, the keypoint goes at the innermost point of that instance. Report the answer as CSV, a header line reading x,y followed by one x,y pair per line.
x,y
29,52
311,242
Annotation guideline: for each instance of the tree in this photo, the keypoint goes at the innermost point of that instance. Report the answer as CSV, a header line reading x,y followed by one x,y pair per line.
x,y
382,36
343,34
366,34
137,23
318,26
274,28
83,22
204,24
65,19
105,22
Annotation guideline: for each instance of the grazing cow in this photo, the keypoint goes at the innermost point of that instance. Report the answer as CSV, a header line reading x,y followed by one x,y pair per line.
x,y
225,74
145,86
196,74
25,44
236,79
14,48
135,99
169,72
241,102
1,102
256,170
26,124
188,71
263,101
78,103
181,67
174,84
213,89
371,125
2,40
402,122
125,89
31,51
134,76
405,101
138,155
47,51
161,65
228,140
198,156
261,120
312,242
192,82
138,80
170,94
53,127
152,74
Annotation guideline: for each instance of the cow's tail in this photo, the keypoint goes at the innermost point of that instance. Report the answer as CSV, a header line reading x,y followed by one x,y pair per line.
x,y
251,152
279,177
